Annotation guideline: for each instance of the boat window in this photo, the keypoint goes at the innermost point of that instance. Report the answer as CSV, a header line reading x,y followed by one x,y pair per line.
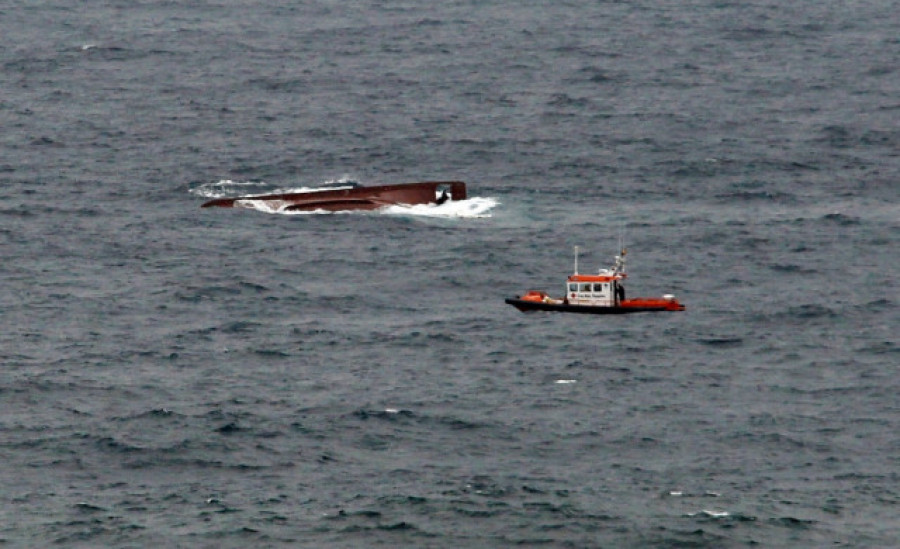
x,y
586,287
573,287
598,287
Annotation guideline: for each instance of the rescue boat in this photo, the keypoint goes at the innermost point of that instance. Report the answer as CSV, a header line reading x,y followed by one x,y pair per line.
x,y
351,197
602,293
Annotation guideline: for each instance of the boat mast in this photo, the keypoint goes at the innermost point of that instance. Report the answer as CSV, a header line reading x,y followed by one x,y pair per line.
x,y
620,259
576,260
620,262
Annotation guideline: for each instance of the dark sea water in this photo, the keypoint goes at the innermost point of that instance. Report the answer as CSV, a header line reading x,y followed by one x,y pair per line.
x,y
178,377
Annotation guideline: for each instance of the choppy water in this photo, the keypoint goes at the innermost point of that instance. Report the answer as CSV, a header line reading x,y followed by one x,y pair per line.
x,y
182,377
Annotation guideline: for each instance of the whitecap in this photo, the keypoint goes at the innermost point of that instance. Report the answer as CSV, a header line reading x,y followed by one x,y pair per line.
x,y
222,188
711,514
470,208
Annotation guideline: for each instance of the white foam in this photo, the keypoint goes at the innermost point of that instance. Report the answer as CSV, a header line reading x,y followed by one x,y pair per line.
x,y
566,381
222,188
709,513
259,205
471,208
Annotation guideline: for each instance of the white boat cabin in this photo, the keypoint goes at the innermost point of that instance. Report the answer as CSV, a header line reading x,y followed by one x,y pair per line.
x,y
604,289
596,290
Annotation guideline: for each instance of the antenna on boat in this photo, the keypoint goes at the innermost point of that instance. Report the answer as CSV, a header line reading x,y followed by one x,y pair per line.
x,y
620,262
620,259
576,260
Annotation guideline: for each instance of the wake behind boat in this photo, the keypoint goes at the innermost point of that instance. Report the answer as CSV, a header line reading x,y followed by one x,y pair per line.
x,y
351,197
603,293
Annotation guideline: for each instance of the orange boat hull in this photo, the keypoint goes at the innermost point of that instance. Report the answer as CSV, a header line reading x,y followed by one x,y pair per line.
x,y
538,301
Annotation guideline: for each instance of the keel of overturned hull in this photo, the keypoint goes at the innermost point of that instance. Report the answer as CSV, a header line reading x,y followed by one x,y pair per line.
x,y
352,198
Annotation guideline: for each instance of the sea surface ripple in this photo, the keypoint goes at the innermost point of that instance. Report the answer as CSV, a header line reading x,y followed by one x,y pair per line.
x,y
186,377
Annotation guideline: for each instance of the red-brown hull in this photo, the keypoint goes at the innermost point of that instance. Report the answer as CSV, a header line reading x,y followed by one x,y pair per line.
x,y
356,198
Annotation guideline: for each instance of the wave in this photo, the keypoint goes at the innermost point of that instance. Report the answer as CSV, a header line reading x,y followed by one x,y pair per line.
x,y
470,208
224,187
809,311
452,422
228,187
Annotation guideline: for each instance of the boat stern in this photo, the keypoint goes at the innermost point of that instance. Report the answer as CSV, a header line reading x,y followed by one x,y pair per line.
x,y
664,303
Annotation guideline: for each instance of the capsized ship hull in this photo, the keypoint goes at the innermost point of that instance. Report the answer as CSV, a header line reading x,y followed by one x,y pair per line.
x,y
352,198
